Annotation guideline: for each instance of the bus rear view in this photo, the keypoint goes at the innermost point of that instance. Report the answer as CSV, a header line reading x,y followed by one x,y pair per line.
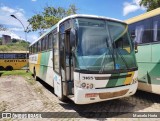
x,y
96,60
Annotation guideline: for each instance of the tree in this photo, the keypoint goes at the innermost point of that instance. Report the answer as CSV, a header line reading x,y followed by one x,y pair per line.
x,y
49,17
150,4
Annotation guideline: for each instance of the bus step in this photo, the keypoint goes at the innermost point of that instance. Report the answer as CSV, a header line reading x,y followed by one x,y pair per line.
x,y
71,97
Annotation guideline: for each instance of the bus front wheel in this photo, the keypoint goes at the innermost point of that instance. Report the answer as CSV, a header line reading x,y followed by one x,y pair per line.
x,y
63,99
9,68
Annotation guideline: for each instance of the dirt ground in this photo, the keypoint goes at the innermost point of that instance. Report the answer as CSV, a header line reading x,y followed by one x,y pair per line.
x,y
17,95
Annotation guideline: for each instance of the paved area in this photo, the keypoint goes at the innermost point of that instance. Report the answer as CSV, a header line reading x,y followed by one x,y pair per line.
x,y
20,95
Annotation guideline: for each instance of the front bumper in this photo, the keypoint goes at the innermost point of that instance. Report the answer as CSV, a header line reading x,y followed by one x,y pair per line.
x,y
86,96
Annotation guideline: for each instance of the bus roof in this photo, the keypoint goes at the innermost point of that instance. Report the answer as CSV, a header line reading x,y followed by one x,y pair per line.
x,y
143,16
74,16
43,35
14,51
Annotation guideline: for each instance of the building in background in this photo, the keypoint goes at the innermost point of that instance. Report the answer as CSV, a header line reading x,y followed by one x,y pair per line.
x,y
6,39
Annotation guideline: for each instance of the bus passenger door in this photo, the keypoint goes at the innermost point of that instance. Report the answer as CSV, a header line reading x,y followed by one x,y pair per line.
x,y
66,66
69,64
57,80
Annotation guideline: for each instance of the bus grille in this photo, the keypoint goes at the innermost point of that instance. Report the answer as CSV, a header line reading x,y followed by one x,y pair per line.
x,y
107,95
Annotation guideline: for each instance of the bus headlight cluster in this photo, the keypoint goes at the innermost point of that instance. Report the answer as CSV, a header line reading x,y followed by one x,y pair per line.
x,y
87,85
134,80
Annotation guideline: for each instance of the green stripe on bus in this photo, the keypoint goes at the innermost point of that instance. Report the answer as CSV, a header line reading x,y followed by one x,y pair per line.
x,y
149,73
44,62
116,80
112,82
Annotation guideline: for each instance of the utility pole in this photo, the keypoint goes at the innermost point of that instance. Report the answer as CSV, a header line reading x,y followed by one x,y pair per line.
x,y
25,31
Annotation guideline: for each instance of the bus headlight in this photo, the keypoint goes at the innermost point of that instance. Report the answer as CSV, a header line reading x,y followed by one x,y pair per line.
x,y
91,86
87,85
83,85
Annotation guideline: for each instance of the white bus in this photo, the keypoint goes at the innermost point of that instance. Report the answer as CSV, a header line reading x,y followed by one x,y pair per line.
x,y
86,58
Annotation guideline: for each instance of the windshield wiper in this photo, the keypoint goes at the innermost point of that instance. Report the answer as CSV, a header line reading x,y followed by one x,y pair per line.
x,y
104,57
125,62
119,53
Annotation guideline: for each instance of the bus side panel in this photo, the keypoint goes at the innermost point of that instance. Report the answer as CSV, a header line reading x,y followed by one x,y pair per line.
x,y
31,66
143,57
15,63
34,61
44,67
21,63
149,68
37,66
155,72
48,77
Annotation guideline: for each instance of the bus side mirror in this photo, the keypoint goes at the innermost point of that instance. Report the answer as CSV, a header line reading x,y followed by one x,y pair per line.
x,y
136,47
135,43
72,37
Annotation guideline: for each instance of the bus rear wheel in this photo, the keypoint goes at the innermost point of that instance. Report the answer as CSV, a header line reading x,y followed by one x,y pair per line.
x,y
9,68
34,74
2,68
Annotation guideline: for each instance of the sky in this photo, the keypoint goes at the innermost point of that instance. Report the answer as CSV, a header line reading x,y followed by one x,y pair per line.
x,y
25,9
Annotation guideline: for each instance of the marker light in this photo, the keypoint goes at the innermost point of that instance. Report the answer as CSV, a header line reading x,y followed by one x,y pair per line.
x,y
87,85
83,85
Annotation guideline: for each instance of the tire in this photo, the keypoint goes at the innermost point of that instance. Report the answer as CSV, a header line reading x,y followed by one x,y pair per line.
x,y
2,68
63,99
9,68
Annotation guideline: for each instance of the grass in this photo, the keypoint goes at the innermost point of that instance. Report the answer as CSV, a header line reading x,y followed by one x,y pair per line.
x,y
15,72
19,46
23,73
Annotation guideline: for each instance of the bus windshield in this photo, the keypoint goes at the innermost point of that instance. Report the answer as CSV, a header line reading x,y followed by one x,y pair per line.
x,y
103,46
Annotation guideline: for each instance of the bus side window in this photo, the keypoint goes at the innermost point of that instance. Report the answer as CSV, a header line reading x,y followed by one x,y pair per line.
x,y
34,49
39,45
1,55
42,44
123,45
31,49
46,43
22,56
9,56
56,54
50,37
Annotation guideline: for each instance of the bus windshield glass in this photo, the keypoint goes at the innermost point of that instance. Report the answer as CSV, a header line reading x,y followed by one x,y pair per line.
x,y
103,46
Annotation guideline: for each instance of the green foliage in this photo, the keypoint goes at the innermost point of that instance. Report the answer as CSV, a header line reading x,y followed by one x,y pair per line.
x,y
150,4
18,46
49,17
4,48
14,40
